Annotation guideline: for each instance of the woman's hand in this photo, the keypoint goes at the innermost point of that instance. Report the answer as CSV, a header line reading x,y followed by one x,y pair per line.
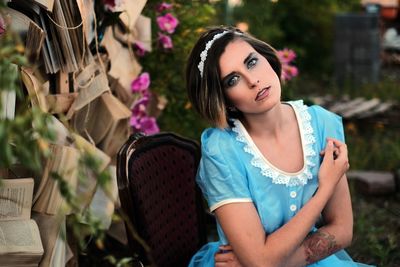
x,y
334,165
225,257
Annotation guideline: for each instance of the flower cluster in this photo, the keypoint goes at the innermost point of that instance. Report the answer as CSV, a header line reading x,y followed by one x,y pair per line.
x,y
140,121
2,25
141,83
286,56
167,23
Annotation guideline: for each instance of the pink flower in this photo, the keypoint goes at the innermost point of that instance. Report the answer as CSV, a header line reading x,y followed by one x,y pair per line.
x,y
289,72
145,124
140,121
167,23
140,106
163,6
165,41
2,26
141,83
293,71
286,55
149,125
135,122
140,50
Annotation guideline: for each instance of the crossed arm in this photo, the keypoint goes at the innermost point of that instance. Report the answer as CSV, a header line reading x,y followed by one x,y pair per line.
x,y
283,248
290,245
334,235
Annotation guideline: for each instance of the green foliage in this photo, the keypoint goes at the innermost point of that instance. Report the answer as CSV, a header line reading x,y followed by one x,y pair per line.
x,y
304,26
373,147
23,139
376,229
387,90
166,68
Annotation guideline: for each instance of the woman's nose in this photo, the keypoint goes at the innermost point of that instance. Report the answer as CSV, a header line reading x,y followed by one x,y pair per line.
x,y
254,83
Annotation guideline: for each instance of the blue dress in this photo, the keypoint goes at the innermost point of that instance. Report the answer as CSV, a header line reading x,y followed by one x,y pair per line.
x,y
232,170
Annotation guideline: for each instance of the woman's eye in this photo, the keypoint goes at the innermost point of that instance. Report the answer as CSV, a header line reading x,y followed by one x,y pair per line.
x,y
232,81
252,62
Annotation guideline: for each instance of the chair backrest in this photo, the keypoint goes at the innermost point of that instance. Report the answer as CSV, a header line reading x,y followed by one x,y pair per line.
x,y
156,181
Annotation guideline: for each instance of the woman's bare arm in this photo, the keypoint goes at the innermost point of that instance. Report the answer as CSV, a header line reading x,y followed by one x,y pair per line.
x,y
243,228
335,235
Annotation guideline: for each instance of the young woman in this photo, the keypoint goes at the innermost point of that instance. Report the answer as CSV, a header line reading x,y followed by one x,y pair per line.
x,y
269,169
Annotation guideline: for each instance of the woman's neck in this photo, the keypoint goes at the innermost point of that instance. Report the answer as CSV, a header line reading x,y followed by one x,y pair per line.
x,y
267,124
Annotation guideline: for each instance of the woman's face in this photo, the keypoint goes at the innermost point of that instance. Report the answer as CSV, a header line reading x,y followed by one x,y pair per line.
x,y
250,83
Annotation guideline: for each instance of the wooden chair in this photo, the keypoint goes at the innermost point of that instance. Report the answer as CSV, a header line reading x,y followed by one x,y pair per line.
x,y
158,194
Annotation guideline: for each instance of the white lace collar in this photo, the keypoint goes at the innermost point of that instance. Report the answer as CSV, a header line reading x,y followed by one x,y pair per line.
x,y
278,176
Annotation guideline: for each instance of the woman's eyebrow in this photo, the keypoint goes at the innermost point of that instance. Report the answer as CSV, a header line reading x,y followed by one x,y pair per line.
x,y
247,59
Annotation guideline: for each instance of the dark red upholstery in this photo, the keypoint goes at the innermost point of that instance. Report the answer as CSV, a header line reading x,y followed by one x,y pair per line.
x,y
159,194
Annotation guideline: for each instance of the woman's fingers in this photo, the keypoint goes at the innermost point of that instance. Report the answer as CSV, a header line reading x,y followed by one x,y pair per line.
x,y
339,144
329,149
225,247
225,257
342,156
342,147
334,164
335,152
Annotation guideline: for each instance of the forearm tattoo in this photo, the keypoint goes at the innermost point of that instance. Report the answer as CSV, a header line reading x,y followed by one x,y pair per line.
x,y
319,245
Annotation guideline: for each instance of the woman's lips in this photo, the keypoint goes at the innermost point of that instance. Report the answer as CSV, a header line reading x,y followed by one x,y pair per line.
x,y
263,93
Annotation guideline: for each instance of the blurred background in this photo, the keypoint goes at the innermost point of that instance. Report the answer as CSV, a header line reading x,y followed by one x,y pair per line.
x,y
341,54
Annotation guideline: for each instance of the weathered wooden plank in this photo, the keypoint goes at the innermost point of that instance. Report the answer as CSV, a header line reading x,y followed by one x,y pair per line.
x,y
381,108
357,108
373,182
361,107
341,106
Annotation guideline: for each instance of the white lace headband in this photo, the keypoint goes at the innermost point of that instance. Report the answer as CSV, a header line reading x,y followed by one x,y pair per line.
x,y
203,54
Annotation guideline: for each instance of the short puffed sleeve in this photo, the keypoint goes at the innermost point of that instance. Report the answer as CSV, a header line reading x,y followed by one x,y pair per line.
x,y
221,176
328,124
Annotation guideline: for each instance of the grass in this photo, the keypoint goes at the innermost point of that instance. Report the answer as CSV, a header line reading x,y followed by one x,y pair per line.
x,y
387,90
373,147
376,238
